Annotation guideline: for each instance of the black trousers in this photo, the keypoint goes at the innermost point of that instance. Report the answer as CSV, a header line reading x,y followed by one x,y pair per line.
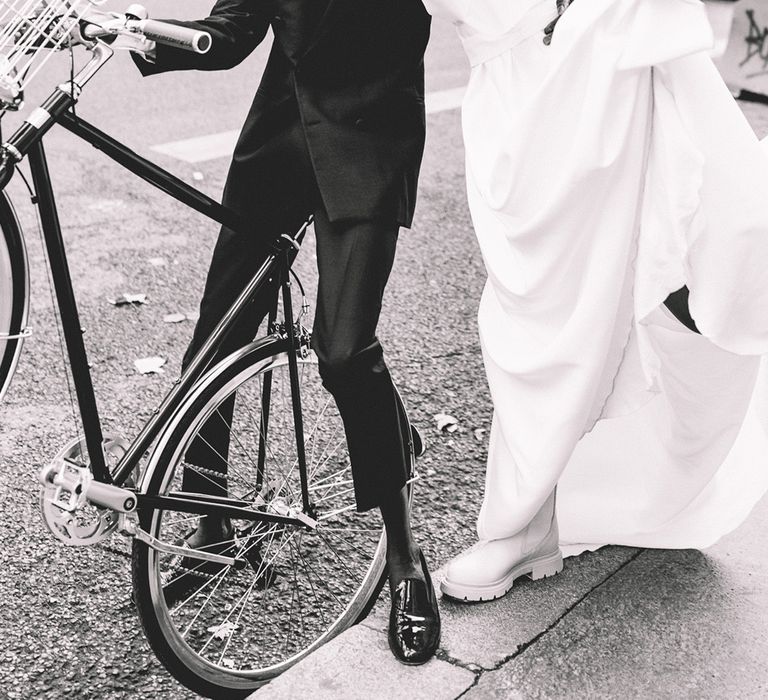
x,y
275,187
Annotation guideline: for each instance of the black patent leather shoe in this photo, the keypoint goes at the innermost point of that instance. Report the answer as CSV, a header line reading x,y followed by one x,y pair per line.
x,y
414,620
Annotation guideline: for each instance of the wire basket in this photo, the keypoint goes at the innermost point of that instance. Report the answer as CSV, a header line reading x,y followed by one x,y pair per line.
x,y
30,32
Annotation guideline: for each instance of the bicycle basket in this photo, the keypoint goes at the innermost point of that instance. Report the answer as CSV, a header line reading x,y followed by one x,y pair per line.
x,y
30,32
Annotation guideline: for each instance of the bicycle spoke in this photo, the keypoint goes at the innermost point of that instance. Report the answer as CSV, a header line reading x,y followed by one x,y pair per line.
x,y
336,553
320,412
295,598
334,513
231,470
255,422
309,569
309,581
217,628
363,554
268,588
237,622
234,434
234,607
334,495
320,463
339,444
319,483
327,487
180,521
224,475
259,539
297,589
205,602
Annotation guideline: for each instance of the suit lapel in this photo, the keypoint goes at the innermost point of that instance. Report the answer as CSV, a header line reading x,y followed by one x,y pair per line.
x,y
332,11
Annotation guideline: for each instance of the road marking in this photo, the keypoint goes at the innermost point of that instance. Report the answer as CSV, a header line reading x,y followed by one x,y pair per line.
x,y
444,100
221,145
200,148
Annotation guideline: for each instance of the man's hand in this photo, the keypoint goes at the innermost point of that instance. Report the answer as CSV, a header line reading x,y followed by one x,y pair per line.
x,y
111,28
562,6
135,43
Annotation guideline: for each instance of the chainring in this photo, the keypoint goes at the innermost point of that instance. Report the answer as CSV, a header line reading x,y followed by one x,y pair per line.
x,y
68,516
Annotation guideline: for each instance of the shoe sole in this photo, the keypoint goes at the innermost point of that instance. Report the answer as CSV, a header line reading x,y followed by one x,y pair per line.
x,y
535,569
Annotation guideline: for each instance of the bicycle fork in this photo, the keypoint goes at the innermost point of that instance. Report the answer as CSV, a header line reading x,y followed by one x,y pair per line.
x,y
296,345
293,371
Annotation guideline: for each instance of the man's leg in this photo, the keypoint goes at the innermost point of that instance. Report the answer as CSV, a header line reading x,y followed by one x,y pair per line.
x,y
354,262
273,187
235,260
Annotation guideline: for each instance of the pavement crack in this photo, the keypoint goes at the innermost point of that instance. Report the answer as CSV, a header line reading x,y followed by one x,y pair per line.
x,y
474,683
480,672
443,655
526,645
454,353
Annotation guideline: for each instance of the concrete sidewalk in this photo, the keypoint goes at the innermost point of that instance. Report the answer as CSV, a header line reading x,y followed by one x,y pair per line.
x,y
617,623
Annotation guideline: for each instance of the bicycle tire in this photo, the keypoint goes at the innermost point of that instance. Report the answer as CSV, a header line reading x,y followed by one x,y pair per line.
x,y
350,600
14,291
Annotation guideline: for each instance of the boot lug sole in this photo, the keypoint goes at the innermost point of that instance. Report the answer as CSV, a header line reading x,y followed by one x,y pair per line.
x,y
535,569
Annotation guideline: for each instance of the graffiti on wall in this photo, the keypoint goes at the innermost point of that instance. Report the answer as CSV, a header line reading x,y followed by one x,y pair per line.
x,y
756,43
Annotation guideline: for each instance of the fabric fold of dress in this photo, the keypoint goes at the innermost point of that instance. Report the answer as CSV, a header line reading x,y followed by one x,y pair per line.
x,y
604,172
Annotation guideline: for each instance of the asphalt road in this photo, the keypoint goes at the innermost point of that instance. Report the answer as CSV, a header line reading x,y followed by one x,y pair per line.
x,y
67,625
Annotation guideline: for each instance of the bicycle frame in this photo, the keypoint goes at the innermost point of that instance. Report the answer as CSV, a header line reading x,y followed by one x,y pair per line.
x,y
27,142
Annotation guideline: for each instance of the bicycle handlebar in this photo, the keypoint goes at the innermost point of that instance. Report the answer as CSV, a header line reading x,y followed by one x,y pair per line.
x,y
172,34
103,27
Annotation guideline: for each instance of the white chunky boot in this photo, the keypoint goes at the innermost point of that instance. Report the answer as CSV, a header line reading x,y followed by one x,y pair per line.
x,y
488,569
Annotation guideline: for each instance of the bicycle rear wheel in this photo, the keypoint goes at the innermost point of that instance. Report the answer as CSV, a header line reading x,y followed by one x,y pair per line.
x,y
237,629
14,292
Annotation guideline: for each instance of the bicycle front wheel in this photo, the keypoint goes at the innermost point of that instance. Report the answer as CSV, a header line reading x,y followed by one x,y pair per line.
x,y
236,629
14,292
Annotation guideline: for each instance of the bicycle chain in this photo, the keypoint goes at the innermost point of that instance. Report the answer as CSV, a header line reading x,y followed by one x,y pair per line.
x,y
206,472
184,570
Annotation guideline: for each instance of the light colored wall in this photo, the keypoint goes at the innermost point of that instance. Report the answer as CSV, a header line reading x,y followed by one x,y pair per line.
x,y
744,64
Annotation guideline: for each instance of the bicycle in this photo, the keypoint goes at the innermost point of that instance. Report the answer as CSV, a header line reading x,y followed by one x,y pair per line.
x,y
300,565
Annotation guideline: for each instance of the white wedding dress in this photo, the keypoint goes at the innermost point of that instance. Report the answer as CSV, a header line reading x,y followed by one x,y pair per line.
x,y
604,172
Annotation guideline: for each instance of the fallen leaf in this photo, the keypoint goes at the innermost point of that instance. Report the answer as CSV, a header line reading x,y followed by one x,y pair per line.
x,y
174,318
158,262
127,299
446,423
224,630
479,434
149,365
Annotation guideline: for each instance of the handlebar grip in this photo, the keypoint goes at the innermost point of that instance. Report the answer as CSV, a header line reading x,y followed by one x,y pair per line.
x,y
173,35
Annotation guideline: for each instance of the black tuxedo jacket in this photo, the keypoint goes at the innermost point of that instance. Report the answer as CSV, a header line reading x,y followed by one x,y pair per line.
x,y
355,70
